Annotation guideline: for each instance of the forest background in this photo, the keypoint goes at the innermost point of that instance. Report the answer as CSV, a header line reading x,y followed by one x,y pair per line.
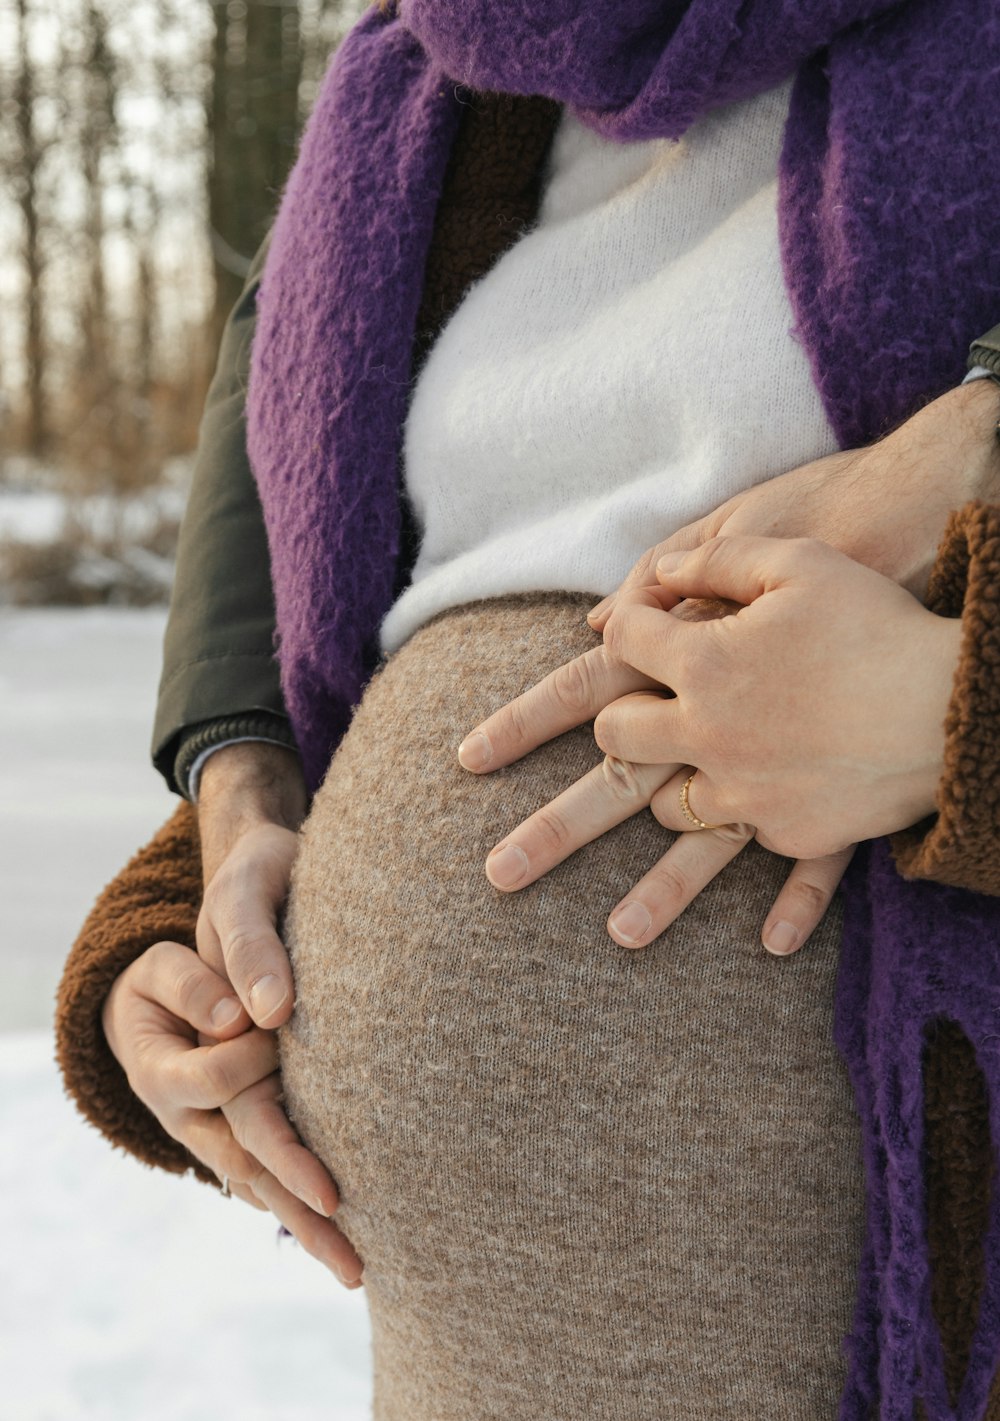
x,y
143,148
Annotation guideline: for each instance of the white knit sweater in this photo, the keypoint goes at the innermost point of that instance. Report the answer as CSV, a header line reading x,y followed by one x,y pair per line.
x,y
623,369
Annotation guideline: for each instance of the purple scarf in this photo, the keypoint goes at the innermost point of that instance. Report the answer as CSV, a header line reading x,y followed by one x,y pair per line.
x,y
889,214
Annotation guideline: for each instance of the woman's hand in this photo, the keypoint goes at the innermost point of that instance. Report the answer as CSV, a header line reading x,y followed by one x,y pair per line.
x,y
841,739
220,1100
885,505
816,713
187,1027
617,789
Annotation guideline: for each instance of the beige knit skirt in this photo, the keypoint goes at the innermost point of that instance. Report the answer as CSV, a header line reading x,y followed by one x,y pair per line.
x,y
585,1182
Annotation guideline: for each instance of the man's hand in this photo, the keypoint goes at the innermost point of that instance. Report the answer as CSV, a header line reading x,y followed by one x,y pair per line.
x,y
251,802
885,505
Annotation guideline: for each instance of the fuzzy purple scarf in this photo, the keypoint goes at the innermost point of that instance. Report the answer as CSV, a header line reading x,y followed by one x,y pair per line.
x,y
889,212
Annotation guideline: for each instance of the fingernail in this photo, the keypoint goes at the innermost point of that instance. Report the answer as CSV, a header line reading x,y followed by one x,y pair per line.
x,y
600,609
506,866
781,938
475,752
314,1202
266,996
669,563
631,923
224,1013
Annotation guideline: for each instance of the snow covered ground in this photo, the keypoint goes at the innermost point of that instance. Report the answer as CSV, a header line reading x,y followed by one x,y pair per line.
x,y
124,1293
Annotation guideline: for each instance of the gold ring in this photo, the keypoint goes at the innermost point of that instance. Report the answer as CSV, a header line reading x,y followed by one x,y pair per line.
x,y
688,812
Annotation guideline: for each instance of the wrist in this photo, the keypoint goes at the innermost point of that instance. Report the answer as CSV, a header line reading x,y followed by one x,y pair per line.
x,y
246,786
975,407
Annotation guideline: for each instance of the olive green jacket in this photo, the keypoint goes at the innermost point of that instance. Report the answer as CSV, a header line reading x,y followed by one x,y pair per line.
x,y
220,677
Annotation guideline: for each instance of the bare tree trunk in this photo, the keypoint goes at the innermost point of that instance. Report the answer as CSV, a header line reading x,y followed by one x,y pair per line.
x,y
96,138
37,424
253,121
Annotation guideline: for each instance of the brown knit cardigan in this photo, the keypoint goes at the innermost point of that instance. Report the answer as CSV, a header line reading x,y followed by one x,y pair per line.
x,y
491,194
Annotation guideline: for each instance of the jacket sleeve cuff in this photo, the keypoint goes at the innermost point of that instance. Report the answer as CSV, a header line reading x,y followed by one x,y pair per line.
x,y
197,739
986,351
960,846
156,896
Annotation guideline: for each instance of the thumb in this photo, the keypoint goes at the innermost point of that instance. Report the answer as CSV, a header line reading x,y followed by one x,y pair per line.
x,y
739,569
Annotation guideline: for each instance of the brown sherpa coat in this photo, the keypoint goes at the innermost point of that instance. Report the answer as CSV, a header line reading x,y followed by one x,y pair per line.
x,y
491,194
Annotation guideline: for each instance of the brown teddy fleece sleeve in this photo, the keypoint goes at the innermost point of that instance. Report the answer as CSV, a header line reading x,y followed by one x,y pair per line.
x,y
961,844
156,896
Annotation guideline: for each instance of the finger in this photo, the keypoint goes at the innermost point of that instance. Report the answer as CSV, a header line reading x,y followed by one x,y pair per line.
x,y
807,893
209,943
643,574
318,1236
241,908
568,696
690,863
244,1193
612,792
665,649
175,978
740,568
207,1136
175,1073
645,729
701,798
261,1126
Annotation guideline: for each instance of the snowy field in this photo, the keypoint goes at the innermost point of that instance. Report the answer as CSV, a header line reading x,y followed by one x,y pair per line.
x,y
125,1295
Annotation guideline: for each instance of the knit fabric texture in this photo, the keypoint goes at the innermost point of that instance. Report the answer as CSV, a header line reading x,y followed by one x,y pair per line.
x,y
585,1182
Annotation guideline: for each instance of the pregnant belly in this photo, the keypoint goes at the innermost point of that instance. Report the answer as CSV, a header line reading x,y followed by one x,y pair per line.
x,y
584,1181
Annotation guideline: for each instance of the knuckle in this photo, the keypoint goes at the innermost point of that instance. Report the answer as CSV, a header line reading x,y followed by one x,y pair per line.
x,y
239,1166
672,887
155,955
187,984
808,550
735,835
571,687
219,1083
146,1075
622,778
551,829
812,897
247,946
514,721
